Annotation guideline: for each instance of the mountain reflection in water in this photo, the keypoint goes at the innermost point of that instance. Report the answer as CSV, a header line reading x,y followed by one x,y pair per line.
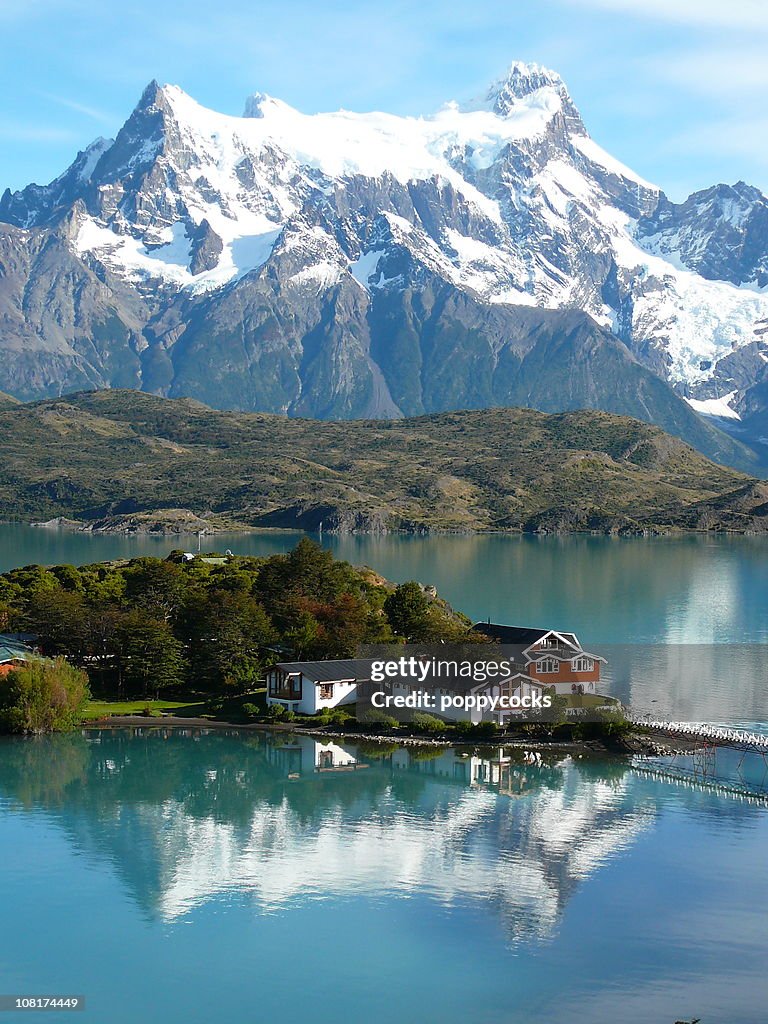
x,y
194,823
285,816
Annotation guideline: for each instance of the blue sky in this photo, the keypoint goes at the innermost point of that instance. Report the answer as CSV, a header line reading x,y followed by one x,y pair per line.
x,y
674,88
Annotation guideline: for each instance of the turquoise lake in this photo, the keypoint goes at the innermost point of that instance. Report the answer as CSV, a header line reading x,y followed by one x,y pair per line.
x,y
191,877
238,878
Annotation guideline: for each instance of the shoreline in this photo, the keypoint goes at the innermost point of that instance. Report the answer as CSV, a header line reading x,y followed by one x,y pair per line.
x,y
82,528
634,744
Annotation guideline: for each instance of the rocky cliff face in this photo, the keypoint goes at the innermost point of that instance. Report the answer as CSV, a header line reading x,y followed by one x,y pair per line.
x,y
346,265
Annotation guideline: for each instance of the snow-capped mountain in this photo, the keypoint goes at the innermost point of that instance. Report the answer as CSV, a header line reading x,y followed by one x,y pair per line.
x,y
349,264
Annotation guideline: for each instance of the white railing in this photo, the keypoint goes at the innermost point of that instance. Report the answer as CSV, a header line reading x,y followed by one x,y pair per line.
x,y
700,730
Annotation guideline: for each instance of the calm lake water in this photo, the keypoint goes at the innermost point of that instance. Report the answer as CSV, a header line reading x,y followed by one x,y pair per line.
x,y
239,878
223,876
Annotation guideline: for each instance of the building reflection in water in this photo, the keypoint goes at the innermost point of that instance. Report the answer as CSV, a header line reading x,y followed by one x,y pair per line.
x,y
187,818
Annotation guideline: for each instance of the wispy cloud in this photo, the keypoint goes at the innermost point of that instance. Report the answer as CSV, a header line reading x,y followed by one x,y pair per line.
x,y
80,108
738,14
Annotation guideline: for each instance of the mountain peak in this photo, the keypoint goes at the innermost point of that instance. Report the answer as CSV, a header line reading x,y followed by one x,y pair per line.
x,y
261,104
254,104
157,98
518,84
150,95
523,78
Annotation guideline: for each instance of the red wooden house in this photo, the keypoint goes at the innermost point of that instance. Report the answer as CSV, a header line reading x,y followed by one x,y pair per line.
x,y
549,656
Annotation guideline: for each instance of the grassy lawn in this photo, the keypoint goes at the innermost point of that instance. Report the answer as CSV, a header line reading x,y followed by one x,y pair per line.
x,y
105,708
228,709
589,700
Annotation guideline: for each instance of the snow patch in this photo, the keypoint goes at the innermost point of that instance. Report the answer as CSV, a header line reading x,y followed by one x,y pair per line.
x,y
342,144
719,407
93,154
365,267
694,320
597,155
323,274
170,262
563,184
130,255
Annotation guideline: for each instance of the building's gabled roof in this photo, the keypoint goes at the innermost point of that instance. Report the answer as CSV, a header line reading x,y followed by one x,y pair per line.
x,y
518,678
523,635
537,656
13,649
14,652
18,639
329,671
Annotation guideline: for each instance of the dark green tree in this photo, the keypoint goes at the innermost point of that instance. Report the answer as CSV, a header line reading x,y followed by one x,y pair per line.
x,y
59,618
229,633
308,571
152,659
157,587
407,610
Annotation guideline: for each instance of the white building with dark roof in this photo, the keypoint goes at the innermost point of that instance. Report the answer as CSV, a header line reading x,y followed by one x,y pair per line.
x,y
311,686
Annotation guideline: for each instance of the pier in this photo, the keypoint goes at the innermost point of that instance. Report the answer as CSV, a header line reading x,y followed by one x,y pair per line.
x,y
720,736
698,767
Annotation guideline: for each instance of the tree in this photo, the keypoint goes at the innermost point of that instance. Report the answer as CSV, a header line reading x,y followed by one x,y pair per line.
x,y
407,609
308,571
302,633
157,587
343,624
43,696
104,585
21,585
103,643
228,632
59,619
69,577
152,659
6,616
